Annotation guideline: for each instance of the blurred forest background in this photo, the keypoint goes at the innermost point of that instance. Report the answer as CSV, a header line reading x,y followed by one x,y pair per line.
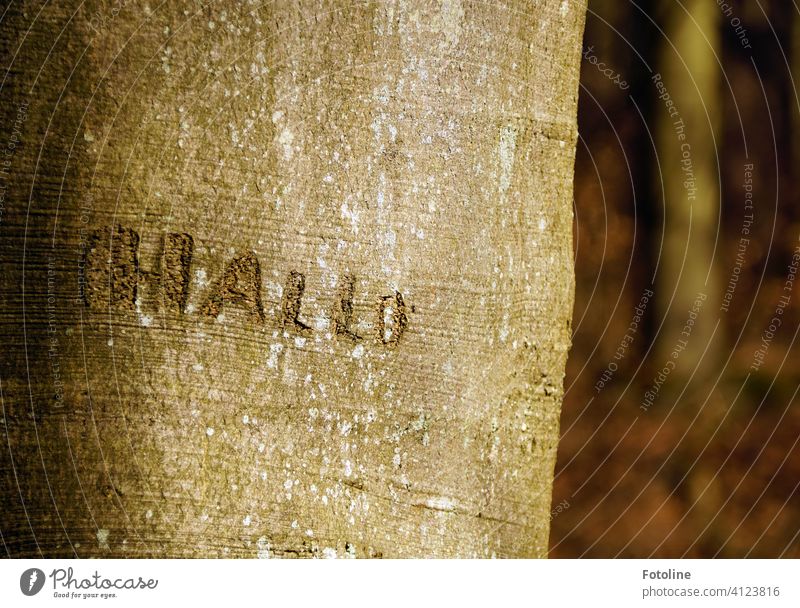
x,y
681,425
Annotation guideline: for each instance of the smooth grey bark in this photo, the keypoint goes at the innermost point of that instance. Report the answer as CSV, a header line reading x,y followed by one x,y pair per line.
x,y
286,279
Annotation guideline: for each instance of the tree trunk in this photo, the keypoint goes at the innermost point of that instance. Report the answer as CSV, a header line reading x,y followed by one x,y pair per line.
x,y
688,109
285,279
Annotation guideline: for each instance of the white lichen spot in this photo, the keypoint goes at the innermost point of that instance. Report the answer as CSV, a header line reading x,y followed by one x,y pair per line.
x,y
329,553
247,520
285,139
564,8
348,468
440,503
369,383
290,375
505,329
149,514
299,342
102,538
294,524
262,548
198,367
245,419
507,151
388,323
274,351
352,215
542,224
165,59
209,431
448,21
201,277
321,322
274,290
388,238
358,351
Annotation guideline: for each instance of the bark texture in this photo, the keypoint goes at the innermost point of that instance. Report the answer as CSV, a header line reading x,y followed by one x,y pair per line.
x,y
285,279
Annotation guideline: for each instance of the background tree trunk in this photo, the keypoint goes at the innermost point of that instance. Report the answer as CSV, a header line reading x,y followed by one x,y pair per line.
x,y
687,138
290,279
